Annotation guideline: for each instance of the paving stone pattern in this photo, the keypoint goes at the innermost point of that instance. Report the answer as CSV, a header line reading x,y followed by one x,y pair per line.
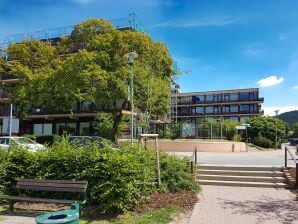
x,y
245,205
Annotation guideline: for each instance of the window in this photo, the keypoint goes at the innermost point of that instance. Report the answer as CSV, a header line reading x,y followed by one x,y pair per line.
x,y
185,100
227,97
193,110
244,96
253,108
69,128
233,96
208,110
209,98
244,108
184,110
253,95
244,118
199,110
226,109
198,99
216,109
216,97
233,109
84,128
234,119
43,129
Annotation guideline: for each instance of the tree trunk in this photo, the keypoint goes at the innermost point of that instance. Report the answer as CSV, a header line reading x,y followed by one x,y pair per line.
x,y
117,117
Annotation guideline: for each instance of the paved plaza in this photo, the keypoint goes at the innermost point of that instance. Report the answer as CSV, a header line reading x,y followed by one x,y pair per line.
x,y
245,205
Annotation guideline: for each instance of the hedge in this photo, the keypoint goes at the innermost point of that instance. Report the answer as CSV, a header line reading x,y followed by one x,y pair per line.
x,y
117,179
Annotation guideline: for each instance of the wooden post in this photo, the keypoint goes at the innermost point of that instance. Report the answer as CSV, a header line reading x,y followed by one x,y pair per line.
x,y
286,159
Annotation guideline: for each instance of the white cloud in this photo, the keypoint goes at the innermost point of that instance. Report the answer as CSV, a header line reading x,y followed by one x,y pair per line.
x,y
200,22
270,81
295,87
270,111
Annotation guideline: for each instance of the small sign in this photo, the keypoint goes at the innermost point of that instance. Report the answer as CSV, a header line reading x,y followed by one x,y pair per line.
x,y
240,127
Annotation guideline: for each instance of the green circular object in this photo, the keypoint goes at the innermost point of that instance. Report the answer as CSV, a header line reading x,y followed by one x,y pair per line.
x,y
59,217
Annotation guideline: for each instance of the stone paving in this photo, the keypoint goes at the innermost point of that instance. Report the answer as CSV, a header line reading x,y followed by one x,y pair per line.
x,y
16,220
245,205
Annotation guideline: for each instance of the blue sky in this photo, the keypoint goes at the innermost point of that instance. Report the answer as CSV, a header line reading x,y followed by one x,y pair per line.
x,y
223,44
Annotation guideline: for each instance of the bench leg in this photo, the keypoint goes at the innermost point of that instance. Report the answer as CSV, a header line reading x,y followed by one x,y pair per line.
x,y
11,203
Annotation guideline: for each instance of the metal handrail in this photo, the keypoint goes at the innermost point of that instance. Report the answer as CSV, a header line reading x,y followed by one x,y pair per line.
x,y
194,159
287,151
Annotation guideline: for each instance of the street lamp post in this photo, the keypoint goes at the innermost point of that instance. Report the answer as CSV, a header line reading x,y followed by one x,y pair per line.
x,y
131,56
276,113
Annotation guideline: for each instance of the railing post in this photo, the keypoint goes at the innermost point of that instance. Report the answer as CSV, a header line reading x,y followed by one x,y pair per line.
x,y
196,158
297,177
286,159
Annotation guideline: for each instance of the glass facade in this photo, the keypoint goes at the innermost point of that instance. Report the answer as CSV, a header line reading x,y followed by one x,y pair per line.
x,y
42,129
208,110
234,109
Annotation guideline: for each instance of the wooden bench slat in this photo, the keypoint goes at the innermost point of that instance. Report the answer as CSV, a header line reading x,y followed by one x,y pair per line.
x,y
58,189
45,200
57,185
54,181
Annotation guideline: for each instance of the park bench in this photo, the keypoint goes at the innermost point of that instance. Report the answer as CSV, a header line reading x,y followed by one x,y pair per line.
x,y
68,186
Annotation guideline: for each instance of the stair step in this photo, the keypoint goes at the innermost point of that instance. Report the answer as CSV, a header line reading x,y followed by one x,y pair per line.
x,y
239,167
242,178
240,173
242,184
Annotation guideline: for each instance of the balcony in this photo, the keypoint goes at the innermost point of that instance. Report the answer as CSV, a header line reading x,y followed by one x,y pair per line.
x,y
189,114
191,103
9,79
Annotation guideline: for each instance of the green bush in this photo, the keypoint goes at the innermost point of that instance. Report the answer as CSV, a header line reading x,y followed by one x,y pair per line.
x,y
175,174
117,179
3,164
47,139
262,141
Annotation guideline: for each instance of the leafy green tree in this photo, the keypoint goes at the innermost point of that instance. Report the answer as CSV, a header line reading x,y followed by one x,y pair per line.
x,y
89,66
261,126
294,127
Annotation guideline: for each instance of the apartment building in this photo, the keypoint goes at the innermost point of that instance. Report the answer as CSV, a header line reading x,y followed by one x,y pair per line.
x,y
237,105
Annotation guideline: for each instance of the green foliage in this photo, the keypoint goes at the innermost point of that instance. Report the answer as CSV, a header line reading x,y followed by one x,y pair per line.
x,y
266,127
171,131
175,174
3,164
104,125
262,141
294,128
117,179
231,129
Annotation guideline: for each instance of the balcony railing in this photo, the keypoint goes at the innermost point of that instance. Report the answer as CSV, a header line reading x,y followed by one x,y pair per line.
x,y
217,113
260,99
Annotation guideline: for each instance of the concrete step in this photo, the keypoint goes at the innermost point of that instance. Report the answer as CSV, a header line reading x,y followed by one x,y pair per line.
x,y
242,178
243,184
239,167
240,173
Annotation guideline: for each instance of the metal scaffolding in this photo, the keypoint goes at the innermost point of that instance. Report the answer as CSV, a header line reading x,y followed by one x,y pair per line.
x,y
129,23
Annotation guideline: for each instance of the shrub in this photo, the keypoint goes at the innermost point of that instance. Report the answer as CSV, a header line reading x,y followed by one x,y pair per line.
x,y
47,139
262,141
175,174
117,179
